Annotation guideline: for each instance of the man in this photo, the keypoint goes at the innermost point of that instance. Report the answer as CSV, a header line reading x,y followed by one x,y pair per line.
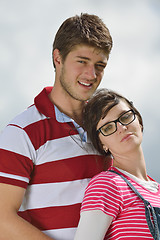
x,y
46,160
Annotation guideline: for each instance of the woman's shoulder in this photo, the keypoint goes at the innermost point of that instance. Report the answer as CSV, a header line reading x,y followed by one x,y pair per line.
x,y
106,178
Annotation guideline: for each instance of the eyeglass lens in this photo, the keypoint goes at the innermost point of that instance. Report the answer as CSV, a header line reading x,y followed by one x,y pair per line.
x,y
124,119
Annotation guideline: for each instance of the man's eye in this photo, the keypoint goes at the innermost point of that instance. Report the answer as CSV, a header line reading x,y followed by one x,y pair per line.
x,y
81,61
100,67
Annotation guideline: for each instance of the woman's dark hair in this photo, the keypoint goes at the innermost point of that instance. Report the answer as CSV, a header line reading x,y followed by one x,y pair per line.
x,y
96,108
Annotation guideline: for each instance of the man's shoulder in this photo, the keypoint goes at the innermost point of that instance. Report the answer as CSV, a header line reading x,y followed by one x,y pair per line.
x,y
28,116
40,110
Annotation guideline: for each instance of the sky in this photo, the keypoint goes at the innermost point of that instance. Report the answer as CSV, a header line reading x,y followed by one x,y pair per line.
x,y
27,30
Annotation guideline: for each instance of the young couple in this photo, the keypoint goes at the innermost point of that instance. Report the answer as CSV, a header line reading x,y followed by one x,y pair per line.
x,y
47,161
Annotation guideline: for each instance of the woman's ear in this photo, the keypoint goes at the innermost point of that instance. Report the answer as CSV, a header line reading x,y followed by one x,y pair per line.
x,y
105,148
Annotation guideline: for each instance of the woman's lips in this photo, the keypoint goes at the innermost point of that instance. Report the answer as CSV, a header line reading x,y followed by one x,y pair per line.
x,y
126,137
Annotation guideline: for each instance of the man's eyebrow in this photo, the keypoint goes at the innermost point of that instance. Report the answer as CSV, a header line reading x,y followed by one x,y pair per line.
x,y
105,63
86,58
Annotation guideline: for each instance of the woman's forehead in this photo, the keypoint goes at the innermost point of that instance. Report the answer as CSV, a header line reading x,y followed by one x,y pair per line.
x,y
114,112
121,105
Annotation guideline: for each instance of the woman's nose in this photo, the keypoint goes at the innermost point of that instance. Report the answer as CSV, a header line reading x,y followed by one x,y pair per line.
x,y
121,127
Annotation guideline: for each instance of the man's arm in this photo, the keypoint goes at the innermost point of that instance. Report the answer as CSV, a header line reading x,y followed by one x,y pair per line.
x,y
12,226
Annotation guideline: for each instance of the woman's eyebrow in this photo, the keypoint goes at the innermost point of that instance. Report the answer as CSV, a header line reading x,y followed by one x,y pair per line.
x,y
124,111
119,115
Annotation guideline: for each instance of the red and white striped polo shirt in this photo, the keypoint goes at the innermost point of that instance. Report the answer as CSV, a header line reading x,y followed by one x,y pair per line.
x,y
50,160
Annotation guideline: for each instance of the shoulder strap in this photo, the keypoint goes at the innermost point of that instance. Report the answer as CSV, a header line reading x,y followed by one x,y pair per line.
x,y
132,187
148,207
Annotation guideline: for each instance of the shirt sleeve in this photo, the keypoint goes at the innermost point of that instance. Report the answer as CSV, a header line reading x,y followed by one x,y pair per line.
x,y
103,194
16,156
93,225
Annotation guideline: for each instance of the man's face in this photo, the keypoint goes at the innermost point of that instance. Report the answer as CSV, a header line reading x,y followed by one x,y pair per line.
x,y
82,71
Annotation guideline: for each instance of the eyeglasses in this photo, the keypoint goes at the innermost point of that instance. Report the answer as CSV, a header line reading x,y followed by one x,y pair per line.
x,y
111,127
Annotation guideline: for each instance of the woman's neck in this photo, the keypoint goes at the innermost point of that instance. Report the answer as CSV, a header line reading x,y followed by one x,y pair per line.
x,y
132,163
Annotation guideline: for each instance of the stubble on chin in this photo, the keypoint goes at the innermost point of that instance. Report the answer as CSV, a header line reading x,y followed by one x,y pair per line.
x,y
70,90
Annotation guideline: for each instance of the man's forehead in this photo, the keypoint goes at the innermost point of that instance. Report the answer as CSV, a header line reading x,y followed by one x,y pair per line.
x,y
87,51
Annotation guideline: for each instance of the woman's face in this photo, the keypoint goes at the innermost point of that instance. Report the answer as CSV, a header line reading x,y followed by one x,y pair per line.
x,y
127,138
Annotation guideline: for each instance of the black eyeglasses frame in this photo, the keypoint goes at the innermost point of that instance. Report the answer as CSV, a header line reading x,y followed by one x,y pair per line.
x,y
117,120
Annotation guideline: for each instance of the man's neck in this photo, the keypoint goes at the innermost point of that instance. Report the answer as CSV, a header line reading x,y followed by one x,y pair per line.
x,y
70,107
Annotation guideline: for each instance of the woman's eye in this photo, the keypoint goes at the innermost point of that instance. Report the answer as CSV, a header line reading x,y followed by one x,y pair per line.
x,y
126,117
107,128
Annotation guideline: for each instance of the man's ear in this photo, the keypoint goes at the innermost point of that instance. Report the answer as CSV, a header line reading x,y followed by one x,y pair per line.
x,y
56,57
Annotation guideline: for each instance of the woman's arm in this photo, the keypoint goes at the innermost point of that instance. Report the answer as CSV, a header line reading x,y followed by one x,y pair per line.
x,y
93,225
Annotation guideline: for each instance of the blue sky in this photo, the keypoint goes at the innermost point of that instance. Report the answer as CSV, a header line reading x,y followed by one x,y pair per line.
x,y
27,32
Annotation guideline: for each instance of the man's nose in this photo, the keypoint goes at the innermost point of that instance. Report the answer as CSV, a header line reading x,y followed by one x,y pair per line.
x,y
91,72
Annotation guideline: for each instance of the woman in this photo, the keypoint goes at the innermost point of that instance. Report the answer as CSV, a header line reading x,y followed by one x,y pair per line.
x,y
118,203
